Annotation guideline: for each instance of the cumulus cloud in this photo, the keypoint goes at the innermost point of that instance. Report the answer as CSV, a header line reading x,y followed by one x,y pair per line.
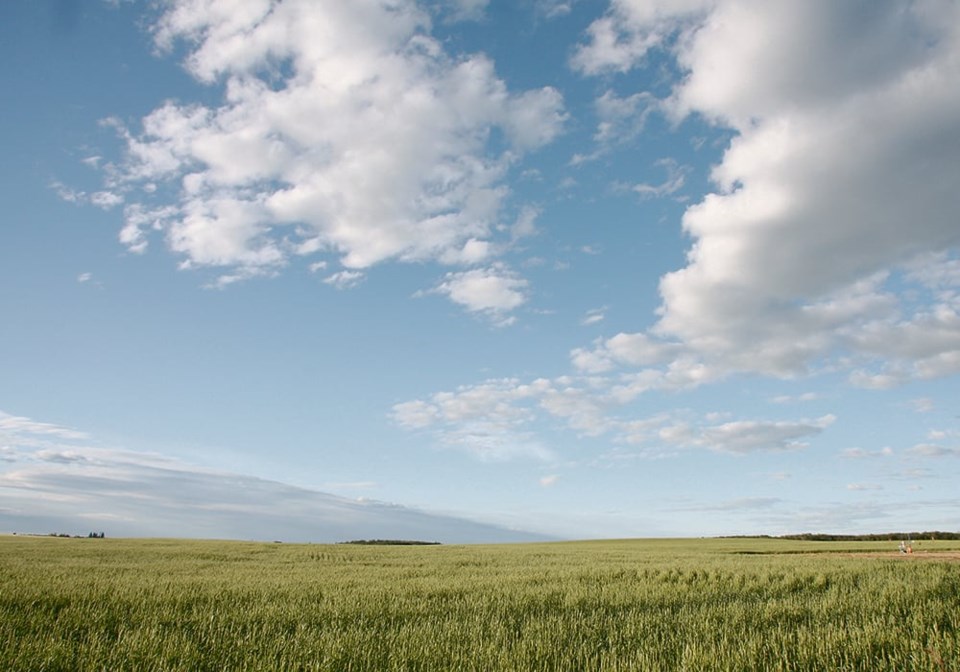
x,y
493,291
345,130
815,226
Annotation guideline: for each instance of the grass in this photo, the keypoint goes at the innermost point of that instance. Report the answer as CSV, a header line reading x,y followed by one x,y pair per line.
x,y
717,604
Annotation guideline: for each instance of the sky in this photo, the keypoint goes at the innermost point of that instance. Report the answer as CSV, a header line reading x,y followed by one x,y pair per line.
x,y
479,270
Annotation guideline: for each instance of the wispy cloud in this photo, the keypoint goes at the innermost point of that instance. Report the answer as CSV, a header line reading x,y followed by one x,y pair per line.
x,y
788,399
590,407
15,427
104,200
675,179
934,450
594,316
344,279
740,504
860,453
864,487
56,480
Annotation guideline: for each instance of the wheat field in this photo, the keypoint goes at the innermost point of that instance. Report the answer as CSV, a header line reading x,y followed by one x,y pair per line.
x,y
710,604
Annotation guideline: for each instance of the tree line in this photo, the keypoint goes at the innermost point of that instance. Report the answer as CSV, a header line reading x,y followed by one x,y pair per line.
x,y
888,536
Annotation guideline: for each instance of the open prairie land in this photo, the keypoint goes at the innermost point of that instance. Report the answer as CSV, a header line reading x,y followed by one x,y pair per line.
x,y
712,604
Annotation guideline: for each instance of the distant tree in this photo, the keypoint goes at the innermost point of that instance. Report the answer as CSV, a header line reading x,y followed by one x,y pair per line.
x,y
391,542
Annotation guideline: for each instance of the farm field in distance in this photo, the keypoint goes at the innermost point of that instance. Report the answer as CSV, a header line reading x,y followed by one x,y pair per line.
x,y
690,604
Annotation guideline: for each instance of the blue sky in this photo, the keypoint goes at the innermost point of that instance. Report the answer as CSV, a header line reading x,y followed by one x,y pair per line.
x,y
476,270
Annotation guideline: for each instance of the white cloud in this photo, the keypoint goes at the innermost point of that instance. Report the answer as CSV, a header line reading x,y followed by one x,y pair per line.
x,y
139,221
240,275
526,224
344,279
84,277
68,194
879,381
619,40
926,345
489,420
555,8
473,252
19,426
624,349
345,129
936,270
581,408
732,505
802,251
106,199
415,414
594,316
505,411
549,481
787,399
493,291
743,436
